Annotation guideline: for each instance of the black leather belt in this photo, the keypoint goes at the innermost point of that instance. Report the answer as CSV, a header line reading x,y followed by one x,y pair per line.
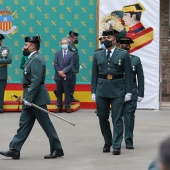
x,y
25,85
28,85
111,77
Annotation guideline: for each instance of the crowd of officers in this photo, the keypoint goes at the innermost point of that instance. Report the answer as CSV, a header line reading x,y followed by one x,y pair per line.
x,y
117,84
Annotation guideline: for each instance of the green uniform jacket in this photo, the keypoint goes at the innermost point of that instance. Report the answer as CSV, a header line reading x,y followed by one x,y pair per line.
x,y
76,64
3,62
118,65
34,75
137,90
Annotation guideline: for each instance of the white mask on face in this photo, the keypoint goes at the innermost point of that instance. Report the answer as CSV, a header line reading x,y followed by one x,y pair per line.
x,y
64,46
102,46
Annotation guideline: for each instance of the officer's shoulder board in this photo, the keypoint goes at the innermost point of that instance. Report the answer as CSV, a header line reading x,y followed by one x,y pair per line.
x,y
6,47
134,56
99,49
120,49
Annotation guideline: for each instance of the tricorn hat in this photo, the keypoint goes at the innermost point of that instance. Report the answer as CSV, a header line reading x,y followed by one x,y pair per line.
x,y
125,40
73,33
1,37
138,7
33,39
109,32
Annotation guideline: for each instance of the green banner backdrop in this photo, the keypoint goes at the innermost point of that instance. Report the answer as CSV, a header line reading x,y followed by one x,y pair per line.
x,y
52,20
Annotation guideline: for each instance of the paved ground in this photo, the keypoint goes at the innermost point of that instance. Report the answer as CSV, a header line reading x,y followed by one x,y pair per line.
x,y
83,143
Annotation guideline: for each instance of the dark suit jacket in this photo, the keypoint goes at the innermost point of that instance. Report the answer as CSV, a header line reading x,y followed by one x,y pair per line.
x,y
4,61
118,65
34,74
65,66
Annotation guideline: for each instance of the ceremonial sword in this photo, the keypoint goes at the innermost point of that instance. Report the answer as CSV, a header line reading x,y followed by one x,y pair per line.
x,y
40,108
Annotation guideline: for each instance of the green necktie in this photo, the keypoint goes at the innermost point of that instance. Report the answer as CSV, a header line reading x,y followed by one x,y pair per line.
x,y
108,54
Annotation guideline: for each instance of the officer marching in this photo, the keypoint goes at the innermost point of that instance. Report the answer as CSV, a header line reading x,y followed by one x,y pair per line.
x,y
137,92
34,92
110,87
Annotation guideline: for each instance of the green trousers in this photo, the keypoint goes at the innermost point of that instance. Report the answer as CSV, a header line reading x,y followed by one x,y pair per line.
x,y
73,84
27,120
129,120
2,91
103,113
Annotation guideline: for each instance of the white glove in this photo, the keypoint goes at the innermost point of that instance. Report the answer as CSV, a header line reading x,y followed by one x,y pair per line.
x,y
128,97
93,97
80,67
140,99
27,103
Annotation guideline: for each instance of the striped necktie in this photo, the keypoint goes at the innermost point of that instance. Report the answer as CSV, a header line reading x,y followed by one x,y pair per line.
x,y
65,54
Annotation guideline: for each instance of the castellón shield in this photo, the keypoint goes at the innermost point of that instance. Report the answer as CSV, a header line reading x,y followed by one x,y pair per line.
x,y
6,22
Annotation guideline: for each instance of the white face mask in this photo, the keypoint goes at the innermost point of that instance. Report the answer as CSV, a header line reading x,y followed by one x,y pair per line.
x,y
64,46
102,46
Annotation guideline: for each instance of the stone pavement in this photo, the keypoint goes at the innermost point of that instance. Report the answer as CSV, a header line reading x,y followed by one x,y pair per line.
x,y
82,144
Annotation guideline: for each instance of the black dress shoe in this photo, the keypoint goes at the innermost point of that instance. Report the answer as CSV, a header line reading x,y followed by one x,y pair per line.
x,y
55,154
74,100
68,111
129,146
11,153
106,148
116,151
58,111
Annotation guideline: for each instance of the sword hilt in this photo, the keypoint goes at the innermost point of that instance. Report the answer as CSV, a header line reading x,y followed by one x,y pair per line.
x,y
17,97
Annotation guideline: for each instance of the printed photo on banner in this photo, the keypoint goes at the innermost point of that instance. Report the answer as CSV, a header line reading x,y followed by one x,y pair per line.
x,y
138,20
127,21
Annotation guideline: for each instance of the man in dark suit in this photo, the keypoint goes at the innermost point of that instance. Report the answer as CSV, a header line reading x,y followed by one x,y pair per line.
x,y
34,92
5,59
110,88
63,63
137,92
73,39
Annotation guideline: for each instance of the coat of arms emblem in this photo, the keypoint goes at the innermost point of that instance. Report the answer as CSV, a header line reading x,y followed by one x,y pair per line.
x,y
6,22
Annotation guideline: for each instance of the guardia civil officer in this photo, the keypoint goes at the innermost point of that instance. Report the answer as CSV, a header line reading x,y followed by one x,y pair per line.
x,y
5,59
34,92
137,92
73,39
109,87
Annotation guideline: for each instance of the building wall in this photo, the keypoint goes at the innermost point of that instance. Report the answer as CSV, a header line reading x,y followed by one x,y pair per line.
x,y
165,49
